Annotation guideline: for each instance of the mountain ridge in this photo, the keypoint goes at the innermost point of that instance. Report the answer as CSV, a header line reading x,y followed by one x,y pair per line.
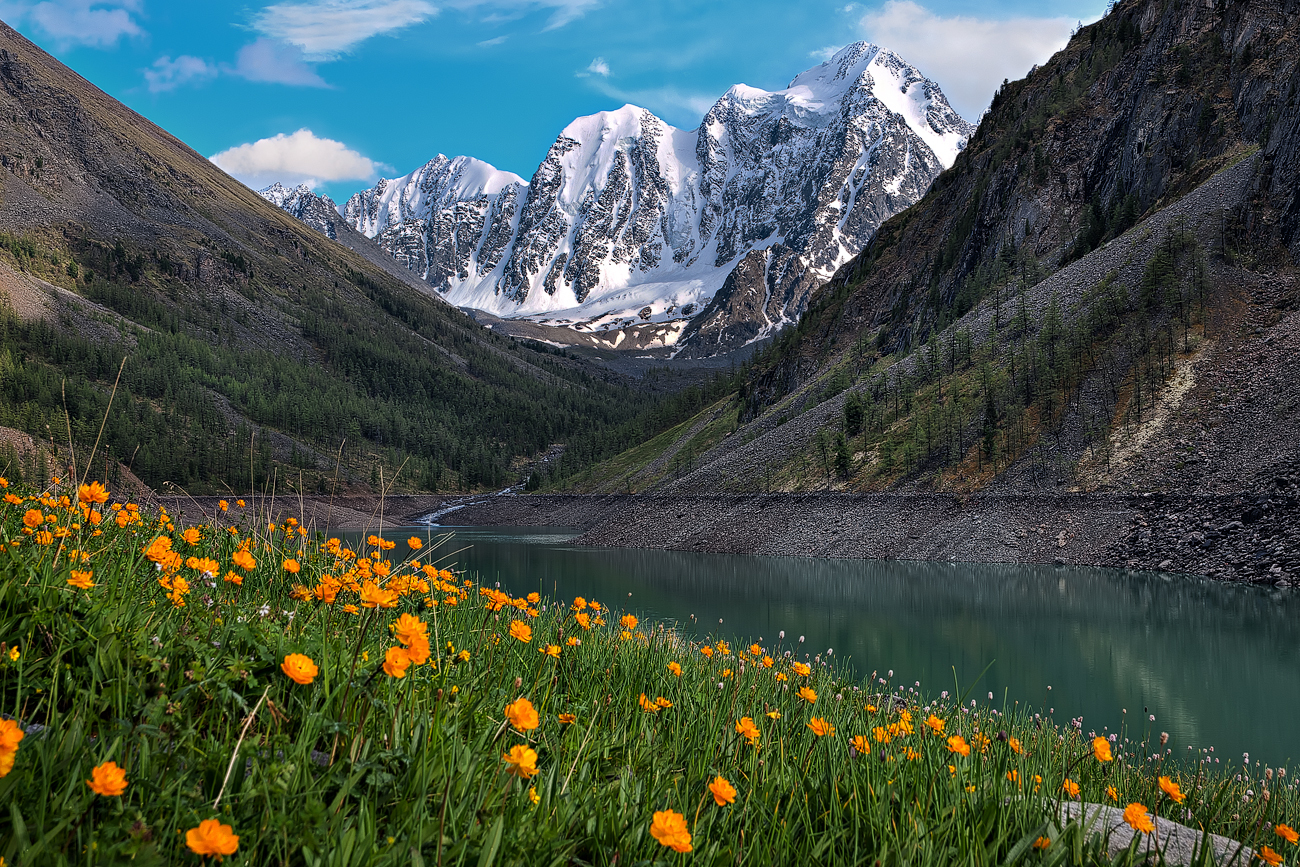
x,y
629,228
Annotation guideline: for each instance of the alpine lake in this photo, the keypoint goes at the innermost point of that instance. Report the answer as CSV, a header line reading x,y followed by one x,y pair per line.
x,y
1215,665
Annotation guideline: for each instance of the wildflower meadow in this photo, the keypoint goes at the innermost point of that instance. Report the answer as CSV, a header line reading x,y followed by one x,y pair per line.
x,y
264,694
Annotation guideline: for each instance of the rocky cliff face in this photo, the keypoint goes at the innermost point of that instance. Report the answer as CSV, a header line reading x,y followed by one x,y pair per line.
x,y
1137,110
629,221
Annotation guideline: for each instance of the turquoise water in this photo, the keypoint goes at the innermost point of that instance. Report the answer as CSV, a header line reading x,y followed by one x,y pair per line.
x,y
1217,665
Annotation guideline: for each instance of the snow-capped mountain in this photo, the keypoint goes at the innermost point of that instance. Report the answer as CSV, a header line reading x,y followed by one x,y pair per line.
x,y
630,227
319,212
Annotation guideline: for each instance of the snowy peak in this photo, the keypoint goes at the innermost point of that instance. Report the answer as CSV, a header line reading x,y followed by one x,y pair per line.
x,y
630,223
319,212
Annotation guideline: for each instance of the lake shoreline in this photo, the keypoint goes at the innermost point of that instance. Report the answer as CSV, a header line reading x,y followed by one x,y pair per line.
x,y
1217,537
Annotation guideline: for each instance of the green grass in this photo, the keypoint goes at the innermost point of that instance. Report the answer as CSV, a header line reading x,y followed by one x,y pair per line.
x,y
360,768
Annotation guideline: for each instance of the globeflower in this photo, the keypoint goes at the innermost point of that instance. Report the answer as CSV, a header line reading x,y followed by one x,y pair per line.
x,y
522,715
670,830
1170,788
108,780
212,838
675,669
1287,833
521,762
81,579
745,728
807,694
92,494
414,543
396,661
628,621
1070,787
1101,750
821,727
244,560
1138,818
292,566
521,631
861,744
1269,857
567,719
300,668
647,705
192,536
957,744
935,724
10,735
801,669
723,792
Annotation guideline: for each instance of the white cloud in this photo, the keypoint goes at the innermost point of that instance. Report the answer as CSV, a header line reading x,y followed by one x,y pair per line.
x,y
598,67
98,23
167,74
969,57
300,158
511,10
488,43
825,54
328,28
276,62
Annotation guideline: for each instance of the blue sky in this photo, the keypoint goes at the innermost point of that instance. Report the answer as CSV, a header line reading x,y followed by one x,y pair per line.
x,y
338,92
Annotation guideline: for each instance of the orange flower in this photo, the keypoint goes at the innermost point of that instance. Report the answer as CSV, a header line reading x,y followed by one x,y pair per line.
x,y
1112,793
1014,776
521,762
552,650
723,792
407,627
244,560
1138,818
108,780
1287,833
584,619
81,579
206,565
396,661
10,735
746,729
647,705
521,631
374,596
780,677
212,838
1101,750
567,719
292,566
675,669
299,668
935,724
1070,787
579,603
234,578
807,694
1170,788
628,621
1014,743
92,494
1269,857
801,669
33,518
882,736
191,536
957,744
414,543
522,715
223,505
821,727
1042,843
861,744
670,830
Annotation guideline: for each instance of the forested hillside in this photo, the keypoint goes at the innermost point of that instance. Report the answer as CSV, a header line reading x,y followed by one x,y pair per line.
x,y
250,347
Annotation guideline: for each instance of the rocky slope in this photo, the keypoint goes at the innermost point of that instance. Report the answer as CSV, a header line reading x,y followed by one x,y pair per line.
x,y
708,239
